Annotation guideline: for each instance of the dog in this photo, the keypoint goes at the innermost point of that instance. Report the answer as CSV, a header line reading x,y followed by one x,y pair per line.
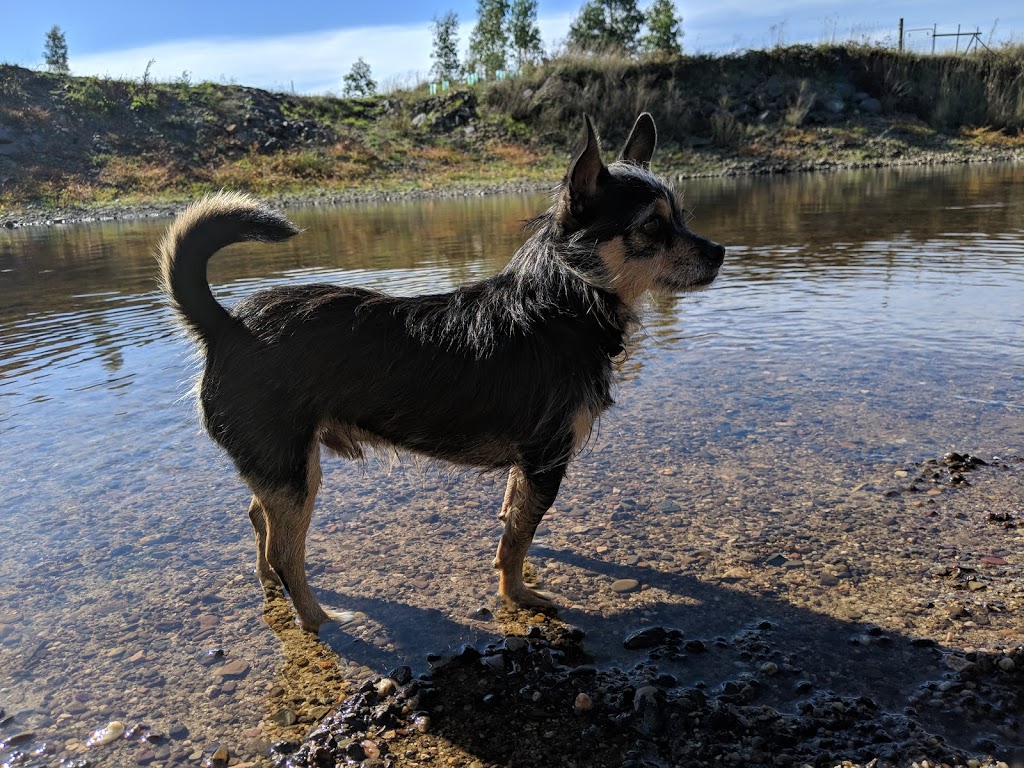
x,y
510,372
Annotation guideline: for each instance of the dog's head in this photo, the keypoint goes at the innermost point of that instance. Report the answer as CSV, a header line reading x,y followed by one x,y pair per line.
x,y
632,216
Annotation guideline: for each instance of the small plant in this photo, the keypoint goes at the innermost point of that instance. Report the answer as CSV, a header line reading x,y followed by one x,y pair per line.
x,y
801,106
726,130
92,95
142,94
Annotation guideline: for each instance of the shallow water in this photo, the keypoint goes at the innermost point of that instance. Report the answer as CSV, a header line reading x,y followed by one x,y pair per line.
x,y
863,322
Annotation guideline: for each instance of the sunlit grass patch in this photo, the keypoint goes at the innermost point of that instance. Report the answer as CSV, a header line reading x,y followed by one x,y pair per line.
x,y
993,137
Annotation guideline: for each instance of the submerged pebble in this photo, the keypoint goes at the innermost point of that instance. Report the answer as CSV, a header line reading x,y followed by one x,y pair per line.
x,y
105,735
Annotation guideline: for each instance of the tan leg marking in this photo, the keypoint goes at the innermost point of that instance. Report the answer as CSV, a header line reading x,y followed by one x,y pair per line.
x,y
521,511
287,520
258,518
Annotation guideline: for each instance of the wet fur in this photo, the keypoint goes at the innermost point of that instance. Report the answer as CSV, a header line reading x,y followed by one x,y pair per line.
x,y
508,372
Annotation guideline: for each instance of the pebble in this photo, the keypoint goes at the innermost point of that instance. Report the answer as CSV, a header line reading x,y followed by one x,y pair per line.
x,y
583,703
515,644
1007,664
237,668
645,638
622,586
284,718
101,736
736,574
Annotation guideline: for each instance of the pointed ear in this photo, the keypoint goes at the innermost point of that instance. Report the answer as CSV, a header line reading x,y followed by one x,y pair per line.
x,y
639,146
587,171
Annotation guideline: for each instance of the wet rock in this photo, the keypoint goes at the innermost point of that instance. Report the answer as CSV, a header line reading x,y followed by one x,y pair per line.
x,y
210,657
284,718
105,735
515,644
647,707
694,646
401,675
583,703
219,759
646,638
233,669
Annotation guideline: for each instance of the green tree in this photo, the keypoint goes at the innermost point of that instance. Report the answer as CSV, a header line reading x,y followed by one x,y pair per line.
x,y
525,34
446,47
663,31
55,51
358,81
488,43
604,24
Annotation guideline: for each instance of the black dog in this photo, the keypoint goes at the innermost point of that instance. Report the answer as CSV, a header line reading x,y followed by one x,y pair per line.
x,y
511,371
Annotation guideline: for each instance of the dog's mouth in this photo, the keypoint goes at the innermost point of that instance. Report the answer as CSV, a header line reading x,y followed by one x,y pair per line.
x,y
673,285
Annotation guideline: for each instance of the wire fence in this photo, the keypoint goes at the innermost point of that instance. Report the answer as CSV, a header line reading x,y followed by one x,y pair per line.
x,y
933,40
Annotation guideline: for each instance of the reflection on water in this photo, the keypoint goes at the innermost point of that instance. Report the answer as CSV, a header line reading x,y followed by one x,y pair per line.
x,y
860,318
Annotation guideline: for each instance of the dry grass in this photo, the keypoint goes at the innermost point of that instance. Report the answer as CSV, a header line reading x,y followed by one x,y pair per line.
x,y
137,175
991,137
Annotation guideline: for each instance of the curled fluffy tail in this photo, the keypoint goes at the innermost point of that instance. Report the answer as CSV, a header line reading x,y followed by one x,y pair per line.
x,y
200,231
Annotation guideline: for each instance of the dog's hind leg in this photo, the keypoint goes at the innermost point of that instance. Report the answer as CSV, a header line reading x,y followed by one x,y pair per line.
x,y
528,496
258,517
288,514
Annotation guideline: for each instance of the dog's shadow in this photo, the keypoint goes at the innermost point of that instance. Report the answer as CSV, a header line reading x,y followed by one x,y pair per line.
x,y
735,634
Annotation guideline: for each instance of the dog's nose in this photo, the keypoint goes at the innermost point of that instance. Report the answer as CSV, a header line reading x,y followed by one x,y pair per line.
x,y
718,253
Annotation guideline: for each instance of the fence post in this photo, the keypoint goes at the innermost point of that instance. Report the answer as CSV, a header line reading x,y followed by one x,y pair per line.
x,y
935,31
956,48
901,36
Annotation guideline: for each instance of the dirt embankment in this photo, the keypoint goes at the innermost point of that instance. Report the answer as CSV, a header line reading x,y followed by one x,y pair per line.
x,y
74,148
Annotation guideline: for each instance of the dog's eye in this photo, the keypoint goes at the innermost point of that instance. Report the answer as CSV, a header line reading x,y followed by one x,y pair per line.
x,y
652,226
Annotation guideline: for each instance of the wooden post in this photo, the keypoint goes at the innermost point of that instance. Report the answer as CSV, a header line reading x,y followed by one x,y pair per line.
x,y
901,37
935,31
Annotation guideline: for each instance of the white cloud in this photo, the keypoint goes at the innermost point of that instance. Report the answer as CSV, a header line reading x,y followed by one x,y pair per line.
x,y
307,63
311,63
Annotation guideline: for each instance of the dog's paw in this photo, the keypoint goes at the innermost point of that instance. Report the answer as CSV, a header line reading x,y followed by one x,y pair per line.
x,y
312,624
523,597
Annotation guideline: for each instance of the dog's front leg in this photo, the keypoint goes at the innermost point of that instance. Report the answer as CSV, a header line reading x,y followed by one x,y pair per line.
x,y
527,497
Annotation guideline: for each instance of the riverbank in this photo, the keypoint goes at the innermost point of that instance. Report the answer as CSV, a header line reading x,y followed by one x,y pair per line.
x,y
881,144
76,149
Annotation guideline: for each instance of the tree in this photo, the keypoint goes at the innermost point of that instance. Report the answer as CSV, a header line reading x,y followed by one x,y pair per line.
x,y
55,51
663,31
358,82
488,43
522,27
604,24
446,47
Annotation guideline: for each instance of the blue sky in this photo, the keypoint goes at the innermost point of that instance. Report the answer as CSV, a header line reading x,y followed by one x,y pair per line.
x,y
308,46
